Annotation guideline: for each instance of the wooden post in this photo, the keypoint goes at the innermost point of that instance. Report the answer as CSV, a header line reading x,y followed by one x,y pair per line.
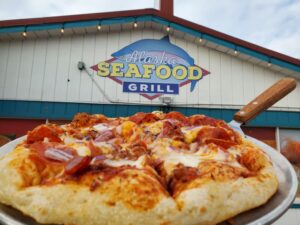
x,y
167,7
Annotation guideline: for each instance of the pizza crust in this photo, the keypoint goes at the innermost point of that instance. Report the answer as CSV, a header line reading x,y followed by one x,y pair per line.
x,y
204,202
214,202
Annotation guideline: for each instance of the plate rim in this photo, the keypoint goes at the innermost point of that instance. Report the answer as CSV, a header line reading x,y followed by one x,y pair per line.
x,y
276,213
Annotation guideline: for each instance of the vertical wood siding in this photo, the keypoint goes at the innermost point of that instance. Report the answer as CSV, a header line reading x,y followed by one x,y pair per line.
x,y
45,69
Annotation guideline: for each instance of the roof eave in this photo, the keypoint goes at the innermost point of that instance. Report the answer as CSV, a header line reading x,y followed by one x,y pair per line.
x,y
154,12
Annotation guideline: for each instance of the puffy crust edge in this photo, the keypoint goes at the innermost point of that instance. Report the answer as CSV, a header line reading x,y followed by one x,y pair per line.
x,y
209,203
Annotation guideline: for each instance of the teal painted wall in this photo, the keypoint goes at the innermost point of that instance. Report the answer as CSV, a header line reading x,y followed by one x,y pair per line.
x,y
63,110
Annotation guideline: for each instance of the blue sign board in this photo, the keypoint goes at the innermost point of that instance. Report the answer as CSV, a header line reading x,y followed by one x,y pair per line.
x,y
138,87
151,68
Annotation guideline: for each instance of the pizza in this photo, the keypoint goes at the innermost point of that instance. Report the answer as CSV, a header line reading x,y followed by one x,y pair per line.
x,y
149,168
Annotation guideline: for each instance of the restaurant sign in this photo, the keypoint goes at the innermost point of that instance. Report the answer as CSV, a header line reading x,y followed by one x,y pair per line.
x,y
151,68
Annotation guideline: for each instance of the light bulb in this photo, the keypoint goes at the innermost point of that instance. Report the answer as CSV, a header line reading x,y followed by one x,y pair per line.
x,y
24,34
168,29
99,27
135,25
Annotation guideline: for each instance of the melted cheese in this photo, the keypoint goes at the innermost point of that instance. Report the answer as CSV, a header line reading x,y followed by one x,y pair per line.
x,y
190,133
81,149
105,147
68,139
129,129
155,128
190,160
172,158
160,149
124,162
101,127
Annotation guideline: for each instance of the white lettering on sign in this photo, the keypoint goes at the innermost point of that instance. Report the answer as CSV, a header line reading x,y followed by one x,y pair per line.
x,y
169,90
146,58
150,87
159,88
132,87
144,87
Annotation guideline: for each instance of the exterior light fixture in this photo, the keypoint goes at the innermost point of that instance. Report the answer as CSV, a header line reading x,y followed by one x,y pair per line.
x,y
99,27
166,100
168,28
62,30
235,50
269,62
201,38
24,33
135,25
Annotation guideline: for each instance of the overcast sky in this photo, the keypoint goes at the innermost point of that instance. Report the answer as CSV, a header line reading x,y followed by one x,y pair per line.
x,y
274,24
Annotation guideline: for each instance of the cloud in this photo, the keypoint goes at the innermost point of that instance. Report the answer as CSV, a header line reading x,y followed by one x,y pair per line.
x,y
15,9
272,24
289,45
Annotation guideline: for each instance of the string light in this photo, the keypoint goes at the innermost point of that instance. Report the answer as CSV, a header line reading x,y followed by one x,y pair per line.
x,y
269,62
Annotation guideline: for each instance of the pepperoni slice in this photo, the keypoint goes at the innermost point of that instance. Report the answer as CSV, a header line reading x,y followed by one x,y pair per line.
x,y
142,117
222,143
44,131
176,116
212,132
171,130
97,118
81,120
216,135
84,119
200,120
149,117
77,164
137,118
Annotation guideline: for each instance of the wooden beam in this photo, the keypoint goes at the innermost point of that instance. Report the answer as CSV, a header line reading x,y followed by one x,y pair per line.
x,y
167,7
